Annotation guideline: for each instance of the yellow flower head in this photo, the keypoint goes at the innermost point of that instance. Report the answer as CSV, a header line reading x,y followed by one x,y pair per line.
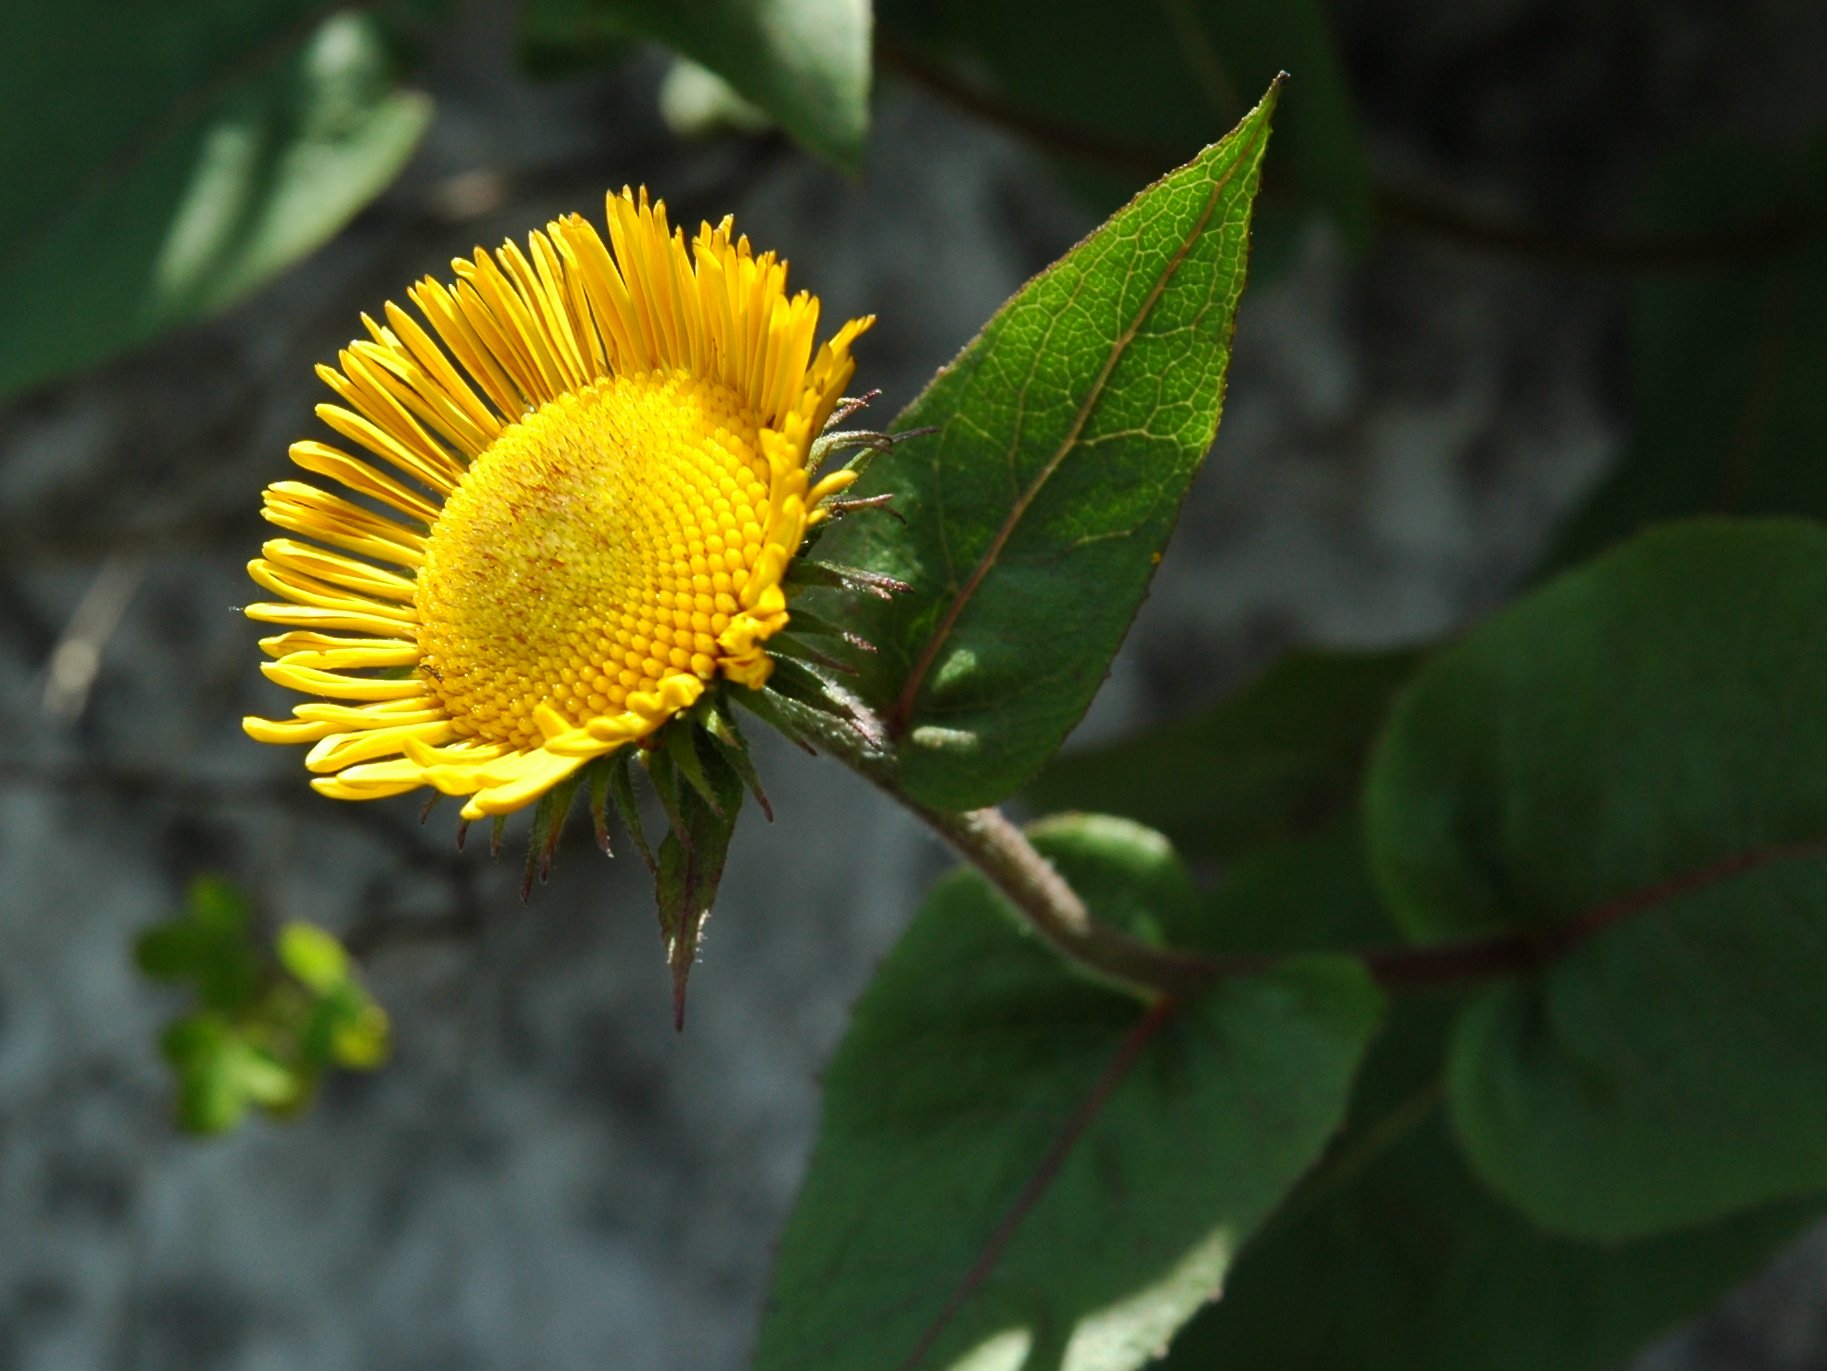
x,y
593,472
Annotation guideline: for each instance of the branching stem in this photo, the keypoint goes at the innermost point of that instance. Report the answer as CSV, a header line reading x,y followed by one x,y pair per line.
x,y
1047,904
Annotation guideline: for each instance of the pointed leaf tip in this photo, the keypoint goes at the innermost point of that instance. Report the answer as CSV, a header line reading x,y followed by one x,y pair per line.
x,y
1067,435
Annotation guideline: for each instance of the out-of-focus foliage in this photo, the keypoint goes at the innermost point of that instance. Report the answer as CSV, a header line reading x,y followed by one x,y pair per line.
x,y
1281,757
162,160
805,62
1133,89
698,103
1728,351
271,1019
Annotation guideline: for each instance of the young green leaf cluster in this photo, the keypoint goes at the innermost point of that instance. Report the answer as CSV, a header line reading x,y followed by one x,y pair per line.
x,y
272,1017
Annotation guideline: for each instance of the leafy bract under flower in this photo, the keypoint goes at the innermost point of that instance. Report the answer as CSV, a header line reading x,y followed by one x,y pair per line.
x,y
594,467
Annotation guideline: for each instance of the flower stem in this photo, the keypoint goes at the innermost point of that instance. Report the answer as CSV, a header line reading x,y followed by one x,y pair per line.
x,y
1001,851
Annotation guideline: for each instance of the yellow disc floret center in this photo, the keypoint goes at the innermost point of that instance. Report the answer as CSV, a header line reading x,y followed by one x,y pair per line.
x,y
595,548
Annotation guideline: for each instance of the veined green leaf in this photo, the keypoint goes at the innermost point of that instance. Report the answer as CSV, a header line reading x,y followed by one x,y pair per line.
x,y
1630,766
1067,434
1390,1255
1019,1168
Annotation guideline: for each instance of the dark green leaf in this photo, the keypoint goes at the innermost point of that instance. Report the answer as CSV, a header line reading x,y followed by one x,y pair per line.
x,y
1311,894
1279,758
1018,1168
1119,85
210,943
1631,765
681,743
1390,1256
806,62
597,775
162,160
561,38
1393,1258
1067,435
1671,1070
1728,361
726,735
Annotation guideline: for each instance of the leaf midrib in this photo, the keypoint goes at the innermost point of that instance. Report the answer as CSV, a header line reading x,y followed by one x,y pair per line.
x,y
1046,1171
900,714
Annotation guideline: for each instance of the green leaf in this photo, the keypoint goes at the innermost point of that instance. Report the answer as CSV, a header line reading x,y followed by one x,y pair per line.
x,y
1144,86
315,957
597,776
1727,361
806,62
627,807
1630,766
1018,1168
272,1018
1393,1258
1390,1256
210,943
1067,435
564,38
548,827
345,1028
221,1075
1279,758
163,160
725,735
1310,894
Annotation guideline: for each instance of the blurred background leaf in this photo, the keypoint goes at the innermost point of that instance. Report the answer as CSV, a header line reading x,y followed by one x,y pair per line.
x,y
1132,90
274,1015
163,160
805,62
1281,757
1727,352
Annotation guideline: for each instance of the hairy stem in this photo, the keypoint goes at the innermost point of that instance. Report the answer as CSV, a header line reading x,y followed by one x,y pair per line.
x,y
1001,851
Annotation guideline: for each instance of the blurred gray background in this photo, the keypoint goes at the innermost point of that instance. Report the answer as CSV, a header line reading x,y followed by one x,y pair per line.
x,y
546,1175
